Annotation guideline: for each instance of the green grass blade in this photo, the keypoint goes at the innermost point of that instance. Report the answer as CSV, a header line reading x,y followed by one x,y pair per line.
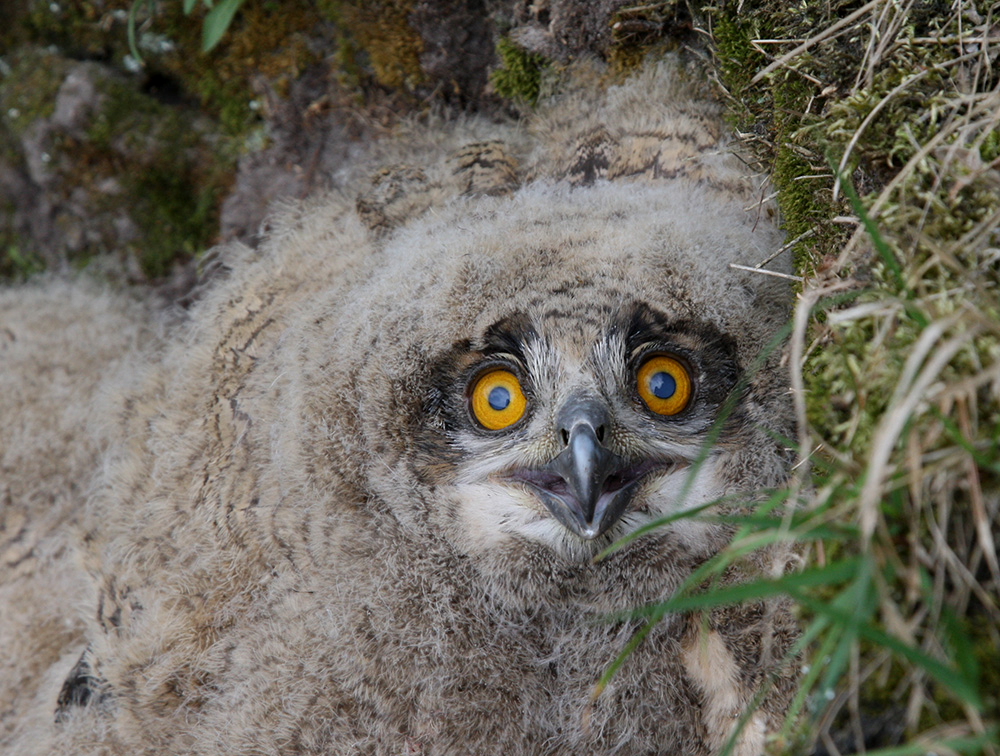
x,y
964,688
631,646
973,744
217,22
754,590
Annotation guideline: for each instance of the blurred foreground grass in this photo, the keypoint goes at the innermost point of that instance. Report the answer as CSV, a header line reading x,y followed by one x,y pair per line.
x,y
880,124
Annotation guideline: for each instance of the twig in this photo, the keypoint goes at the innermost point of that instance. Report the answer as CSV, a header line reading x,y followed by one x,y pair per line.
x,y
904,401
761,201
785,247
766,272
953,39
828,32
980,518
868,119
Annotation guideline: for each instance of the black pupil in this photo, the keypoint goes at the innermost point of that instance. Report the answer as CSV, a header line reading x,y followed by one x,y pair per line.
x,y
663,385
499,398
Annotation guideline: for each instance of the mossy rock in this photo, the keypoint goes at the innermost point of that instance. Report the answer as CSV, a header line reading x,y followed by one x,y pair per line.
x,y
115,171
267,42
29,87
382,30
171,180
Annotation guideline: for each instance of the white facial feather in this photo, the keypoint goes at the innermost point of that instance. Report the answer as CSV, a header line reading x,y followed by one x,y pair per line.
x,y
493,511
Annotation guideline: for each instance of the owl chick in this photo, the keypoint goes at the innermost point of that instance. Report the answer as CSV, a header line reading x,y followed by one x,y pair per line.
x,y
353,504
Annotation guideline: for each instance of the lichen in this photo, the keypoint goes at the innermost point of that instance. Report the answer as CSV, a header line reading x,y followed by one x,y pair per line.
x,y
382,31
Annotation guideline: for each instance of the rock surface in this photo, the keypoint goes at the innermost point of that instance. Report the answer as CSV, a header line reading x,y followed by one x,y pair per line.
x,y
137,169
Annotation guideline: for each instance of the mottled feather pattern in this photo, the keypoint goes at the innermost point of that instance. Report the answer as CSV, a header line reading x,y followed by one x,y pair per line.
x,y
275,526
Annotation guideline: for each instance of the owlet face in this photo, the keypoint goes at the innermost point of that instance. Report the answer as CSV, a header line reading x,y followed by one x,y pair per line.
x,y
573,433
546,371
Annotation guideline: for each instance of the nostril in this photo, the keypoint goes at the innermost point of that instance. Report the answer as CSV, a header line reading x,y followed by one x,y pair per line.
x,y
599,432
564,434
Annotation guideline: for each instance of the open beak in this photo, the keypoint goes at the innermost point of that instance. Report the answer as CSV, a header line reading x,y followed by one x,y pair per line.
x,y
587,487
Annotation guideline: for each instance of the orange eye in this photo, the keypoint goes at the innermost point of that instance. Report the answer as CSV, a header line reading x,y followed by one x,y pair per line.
x,y
497,399
664,385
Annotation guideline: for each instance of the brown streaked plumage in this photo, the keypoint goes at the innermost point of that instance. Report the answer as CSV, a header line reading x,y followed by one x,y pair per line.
x,y
351,504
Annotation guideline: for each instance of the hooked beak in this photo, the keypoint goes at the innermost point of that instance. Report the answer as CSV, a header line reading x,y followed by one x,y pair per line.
x,y
587,487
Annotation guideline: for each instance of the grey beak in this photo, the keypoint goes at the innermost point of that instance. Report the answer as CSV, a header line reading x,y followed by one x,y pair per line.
x,y
586,486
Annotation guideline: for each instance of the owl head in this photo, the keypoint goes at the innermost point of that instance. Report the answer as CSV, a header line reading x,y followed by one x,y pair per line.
x,y
531,377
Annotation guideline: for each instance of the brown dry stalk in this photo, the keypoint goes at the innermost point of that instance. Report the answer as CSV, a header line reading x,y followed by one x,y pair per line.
x,y
825,34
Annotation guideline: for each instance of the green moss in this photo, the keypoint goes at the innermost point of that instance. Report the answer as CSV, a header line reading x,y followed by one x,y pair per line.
x,y
28,92
520,75
347,65
891,133
852,382
16,262
780,112
177,215
801,211
989,150
738,61
169,177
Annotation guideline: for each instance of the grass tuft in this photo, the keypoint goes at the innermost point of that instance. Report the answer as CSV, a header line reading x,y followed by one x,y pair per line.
x,y
880,124
900,417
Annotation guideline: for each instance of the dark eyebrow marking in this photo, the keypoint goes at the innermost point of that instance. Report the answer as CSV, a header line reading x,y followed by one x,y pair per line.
x,y
642,325
510,336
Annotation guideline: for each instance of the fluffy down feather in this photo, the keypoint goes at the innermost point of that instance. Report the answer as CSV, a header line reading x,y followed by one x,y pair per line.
x,y
277,530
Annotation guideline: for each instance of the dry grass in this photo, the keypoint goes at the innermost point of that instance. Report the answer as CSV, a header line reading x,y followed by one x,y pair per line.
x,y
896,359
880,123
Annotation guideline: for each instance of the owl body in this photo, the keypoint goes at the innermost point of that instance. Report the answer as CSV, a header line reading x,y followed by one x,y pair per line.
x,y
305,535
